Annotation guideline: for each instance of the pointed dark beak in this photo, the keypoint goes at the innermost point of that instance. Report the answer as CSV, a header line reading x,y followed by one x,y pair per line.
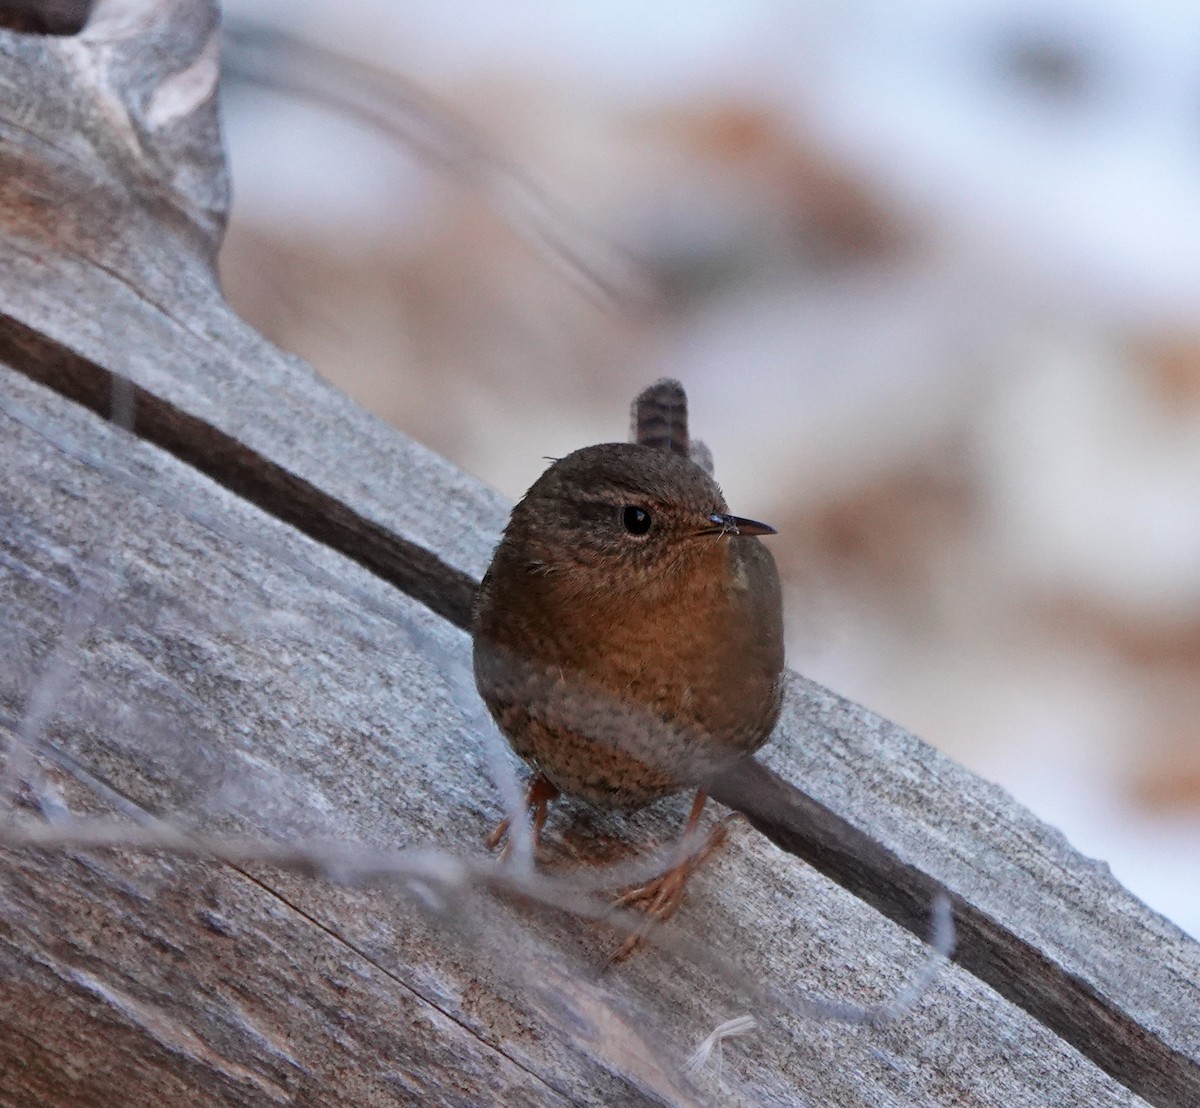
x,y
735,525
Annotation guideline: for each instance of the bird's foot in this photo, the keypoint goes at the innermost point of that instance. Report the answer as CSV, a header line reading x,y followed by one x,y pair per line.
x,y
660,897
537,803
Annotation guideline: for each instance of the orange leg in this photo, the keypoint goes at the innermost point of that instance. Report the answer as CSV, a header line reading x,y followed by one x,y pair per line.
x,y
660,897
537,801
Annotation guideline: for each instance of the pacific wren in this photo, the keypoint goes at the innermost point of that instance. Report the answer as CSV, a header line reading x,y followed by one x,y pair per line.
x,y
628,634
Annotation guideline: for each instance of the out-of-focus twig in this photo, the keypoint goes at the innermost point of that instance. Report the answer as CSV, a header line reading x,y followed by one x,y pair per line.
x,y
98,581
437,879
268,56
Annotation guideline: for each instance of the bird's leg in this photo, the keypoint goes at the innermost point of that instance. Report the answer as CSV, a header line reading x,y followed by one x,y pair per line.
x,y
660,897
537,801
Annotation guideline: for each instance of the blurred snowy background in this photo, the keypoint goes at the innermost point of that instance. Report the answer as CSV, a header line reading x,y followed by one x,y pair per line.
x,y
930,273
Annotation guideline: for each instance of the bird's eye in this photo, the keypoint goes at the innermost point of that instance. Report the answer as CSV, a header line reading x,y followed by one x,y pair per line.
x,y
635,520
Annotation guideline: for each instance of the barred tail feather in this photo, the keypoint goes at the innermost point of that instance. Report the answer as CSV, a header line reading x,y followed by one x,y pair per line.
x,y
660,417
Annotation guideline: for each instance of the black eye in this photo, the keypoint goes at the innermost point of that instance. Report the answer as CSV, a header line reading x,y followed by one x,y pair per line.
x,y
635,520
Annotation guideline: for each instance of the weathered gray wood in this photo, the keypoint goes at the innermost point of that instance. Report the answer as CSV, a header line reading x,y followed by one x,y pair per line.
x,y
1046,927
111,202
113,197
136,980
285,691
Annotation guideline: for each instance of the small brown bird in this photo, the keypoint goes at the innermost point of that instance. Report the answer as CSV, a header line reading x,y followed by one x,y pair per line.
x,y
628,634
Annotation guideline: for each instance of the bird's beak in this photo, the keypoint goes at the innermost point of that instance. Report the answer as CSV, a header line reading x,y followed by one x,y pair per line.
x,y
735,525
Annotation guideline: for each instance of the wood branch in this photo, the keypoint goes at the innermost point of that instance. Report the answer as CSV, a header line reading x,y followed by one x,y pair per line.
x,y
278,652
